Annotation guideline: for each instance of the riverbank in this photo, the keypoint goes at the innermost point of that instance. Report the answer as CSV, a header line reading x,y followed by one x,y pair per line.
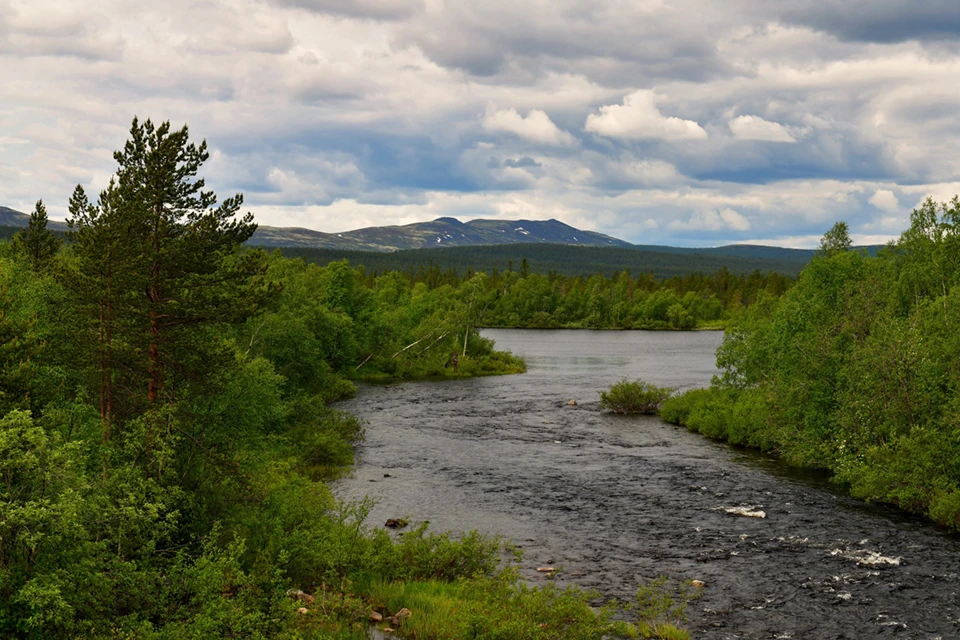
x,y
617,501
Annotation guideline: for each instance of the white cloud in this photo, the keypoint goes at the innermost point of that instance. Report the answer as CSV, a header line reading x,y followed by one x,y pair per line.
x,y
756,128
638,118
709,220
334,114
885,200
535,127
734,220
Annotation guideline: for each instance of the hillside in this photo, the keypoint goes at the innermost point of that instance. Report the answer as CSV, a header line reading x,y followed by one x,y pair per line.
x,y
442,232
563,259
11,218
484,245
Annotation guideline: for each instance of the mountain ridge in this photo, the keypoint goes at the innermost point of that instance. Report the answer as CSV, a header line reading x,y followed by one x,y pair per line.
x,y
441,232
448,232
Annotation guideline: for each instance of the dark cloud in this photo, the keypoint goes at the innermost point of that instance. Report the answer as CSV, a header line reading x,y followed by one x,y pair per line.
x,y
387,10
520,163
881,21
489,37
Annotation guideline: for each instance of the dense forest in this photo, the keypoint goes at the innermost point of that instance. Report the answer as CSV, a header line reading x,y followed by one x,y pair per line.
x,y
165,435
691,301
567,260
524,299
854,370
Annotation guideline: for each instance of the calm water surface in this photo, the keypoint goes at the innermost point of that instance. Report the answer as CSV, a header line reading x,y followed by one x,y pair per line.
x,y
617,501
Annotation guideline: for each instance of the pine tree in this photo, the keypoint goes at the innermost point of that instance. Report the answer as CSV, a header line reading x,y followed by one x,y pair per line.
x,y
162,268
37,243
96,235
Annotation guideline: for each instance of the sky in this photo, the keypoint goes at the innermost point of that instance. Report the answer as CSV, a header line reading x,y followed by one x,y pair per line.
x,y
687,123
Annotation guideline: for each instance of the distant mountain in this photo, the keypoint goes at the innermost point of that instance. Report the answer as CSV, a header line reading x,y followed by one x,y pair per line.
x,y
448,233
442,232
12,218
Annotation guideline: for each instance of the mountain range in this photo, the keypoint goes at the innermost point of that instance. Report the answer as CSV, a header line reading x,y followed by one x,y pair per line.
x,y
442,232
449,233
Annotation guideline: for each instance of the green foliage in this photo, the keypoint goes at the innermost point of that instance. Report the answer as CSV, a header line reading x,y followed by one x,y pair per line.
x,y
854,369
566,260
659,609
634,396
836,240
37,244
165,432
682,299
739,416
498,607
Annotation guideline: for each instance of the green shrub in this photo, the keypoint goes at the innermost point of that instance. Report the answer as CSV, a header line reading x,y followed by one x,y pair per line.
x,y
498,607
741,417
634,397
660,609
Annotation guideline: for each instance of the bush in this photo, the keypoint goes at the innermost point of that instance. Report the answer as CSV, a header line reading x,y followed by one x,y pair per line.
x,y
634,397
741,417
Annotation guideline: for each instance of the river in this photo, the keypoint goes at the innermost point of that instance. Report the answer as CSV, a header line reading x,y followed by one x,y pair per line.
x,y
617,501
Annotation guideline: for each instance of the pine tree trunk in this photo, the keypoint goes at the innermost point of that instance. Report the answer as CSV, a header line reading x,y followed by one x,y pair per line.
x,y
155,383
109,357
101,364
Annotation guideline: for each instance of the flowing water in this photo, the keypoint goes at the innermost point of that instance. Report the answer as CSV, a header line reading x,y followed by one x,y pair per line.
x,y
617,501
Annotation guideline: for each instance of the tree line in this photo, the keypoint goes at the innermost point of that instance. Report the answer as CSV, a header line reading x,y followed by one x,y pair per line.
x,y
854,369
165,434
530,300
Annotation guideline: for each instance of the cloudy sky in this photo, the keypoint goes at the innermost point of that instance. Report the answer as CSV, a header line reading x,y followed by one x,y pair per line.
x,y
684,122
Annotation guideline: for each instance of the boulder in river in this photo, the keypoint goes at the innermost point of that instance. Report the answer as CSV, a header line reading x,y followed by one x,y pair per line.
x,y
396,523
572,403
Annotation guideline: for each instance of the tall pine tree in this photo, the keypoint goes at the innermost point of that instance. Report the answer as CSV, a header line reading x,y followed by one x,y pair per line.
x,y
159,268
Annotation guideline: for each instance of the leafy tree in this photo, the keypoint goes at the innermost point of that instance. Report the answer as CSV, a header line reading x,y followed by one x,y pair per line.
x,y
836,240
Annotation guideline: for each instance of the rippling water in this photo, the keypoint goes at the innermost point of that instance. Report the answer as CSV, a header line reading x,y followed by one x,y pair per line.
x,y
617,501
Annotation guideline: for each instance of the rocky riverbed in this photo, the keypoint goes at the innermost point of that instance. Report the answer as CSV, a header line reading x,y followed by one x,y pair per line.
x,y
616,501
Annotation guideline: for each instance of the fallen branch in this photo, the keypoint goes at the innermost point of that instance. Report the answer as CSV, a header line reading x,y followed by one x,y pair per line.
x,y
434,343
365,360
413,344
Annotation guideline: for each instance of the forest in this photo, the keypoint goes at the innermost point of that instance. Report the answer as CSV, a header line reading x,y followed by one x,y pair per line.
x,y
525,299
566,260
854,369
167,439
